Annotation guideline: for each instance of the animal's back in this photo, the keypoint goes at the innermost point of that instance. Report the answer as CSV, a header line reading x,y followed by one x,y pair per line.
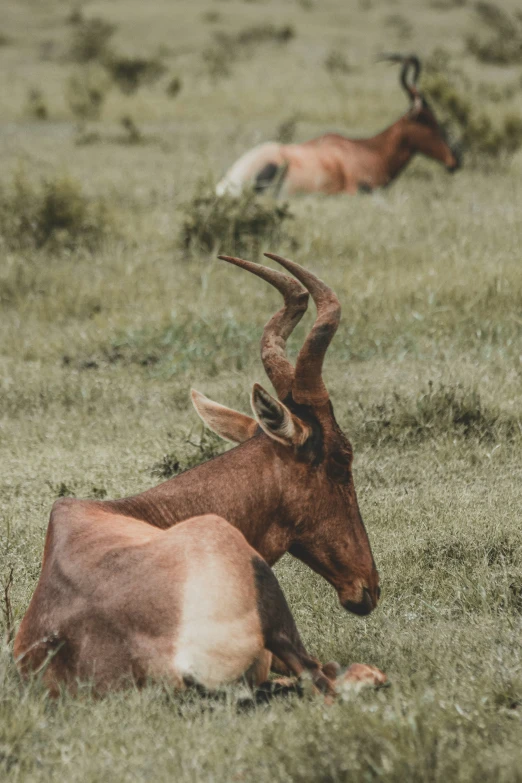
x,y
119,600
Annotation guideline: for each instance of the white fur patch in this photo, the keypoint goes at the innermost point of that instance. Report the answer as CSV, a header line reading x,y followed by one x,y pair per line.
x,y
219,635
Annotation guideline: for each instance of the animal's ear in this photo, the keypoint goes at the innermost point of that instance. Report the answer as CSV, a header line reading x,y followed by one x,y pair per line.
x,y
225,422
276,420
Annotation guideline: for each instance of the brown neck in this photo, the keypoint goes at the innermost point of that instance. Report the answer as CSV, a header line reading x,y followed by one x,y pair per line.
x,y
250,500
392,151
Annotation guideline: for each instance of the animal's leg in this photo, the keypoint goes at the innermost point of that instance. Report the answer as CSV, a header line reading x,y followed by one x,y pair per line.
x,y
279,629
260,669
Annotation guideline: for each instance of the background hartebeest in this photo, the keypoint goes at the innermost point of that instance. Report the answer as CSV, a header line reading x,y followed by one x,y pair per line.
x,y
289,485
120,602
335,164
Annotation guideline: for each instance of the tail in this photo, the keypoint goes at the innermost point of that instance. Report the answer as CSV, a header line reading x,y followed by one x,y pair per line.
x,y
249,166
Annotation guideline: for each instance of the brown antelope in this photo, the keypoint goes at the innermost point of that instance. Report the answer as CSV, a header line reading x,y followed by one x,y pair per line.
x,y
120,603
288,487
335,164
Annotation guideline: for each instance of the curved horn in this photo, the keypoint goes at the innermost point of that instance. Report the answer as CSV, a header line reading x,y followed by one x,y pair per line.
x,y
308,387
280,326
408,61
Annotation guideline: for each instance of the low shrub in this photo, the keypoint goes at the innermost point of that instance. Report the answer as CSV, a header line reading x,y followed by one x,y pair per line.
x,y
264,33
503,46
483,134
53,213
237,225
90,39
436,411
130,73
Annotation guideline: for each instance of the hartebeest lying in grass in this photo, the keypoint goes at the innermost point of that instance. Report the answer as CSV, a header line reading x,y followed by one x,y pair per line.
x,y
288,486
335,164
120,602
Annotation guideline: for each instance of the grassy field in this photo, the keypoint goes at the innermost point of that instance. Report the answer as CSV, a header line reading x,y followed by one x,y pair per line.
x,y
106,321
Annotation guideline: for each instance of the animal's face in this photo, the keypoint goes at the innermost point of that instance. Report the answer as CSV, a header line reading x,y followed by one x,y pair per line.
x,y
429,138
329,533
305,466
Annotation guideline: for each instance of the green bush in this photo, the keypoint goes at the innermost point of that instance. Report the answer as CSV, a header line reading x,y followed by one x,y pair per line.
x,y
264,33
237,225
53,213
483,134
503,46
435,412
130,73
90,39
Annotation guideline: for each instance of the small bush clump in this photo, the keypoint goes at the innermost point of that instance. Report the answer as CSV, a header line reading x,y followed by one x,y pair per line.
x,y
504,44
264,33
53,213
130,73
436,411
239,225
336,62
482,134
90,39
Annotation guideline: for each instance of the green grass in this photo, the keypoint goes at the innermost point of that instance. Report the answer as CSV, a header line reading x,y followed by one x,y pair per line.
x,y
101,341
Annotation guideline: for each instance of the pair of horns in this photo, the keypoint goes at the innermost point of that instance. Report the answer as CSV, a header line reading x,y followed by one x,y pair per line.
x,y
408,62
304,382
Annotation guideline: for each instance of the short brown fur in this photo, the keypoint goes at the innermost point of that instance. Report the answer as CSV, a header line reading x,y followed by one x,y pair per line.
x,y
288,486
333,163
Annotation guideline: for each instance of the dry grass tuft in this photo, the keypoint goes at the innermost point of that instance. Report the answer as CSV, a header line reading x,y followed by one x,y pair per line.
x,y
240,224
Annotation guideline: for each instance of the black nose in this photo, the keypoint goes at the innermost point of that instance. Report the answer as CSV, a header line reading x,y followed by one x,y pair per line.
x,y
362,608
